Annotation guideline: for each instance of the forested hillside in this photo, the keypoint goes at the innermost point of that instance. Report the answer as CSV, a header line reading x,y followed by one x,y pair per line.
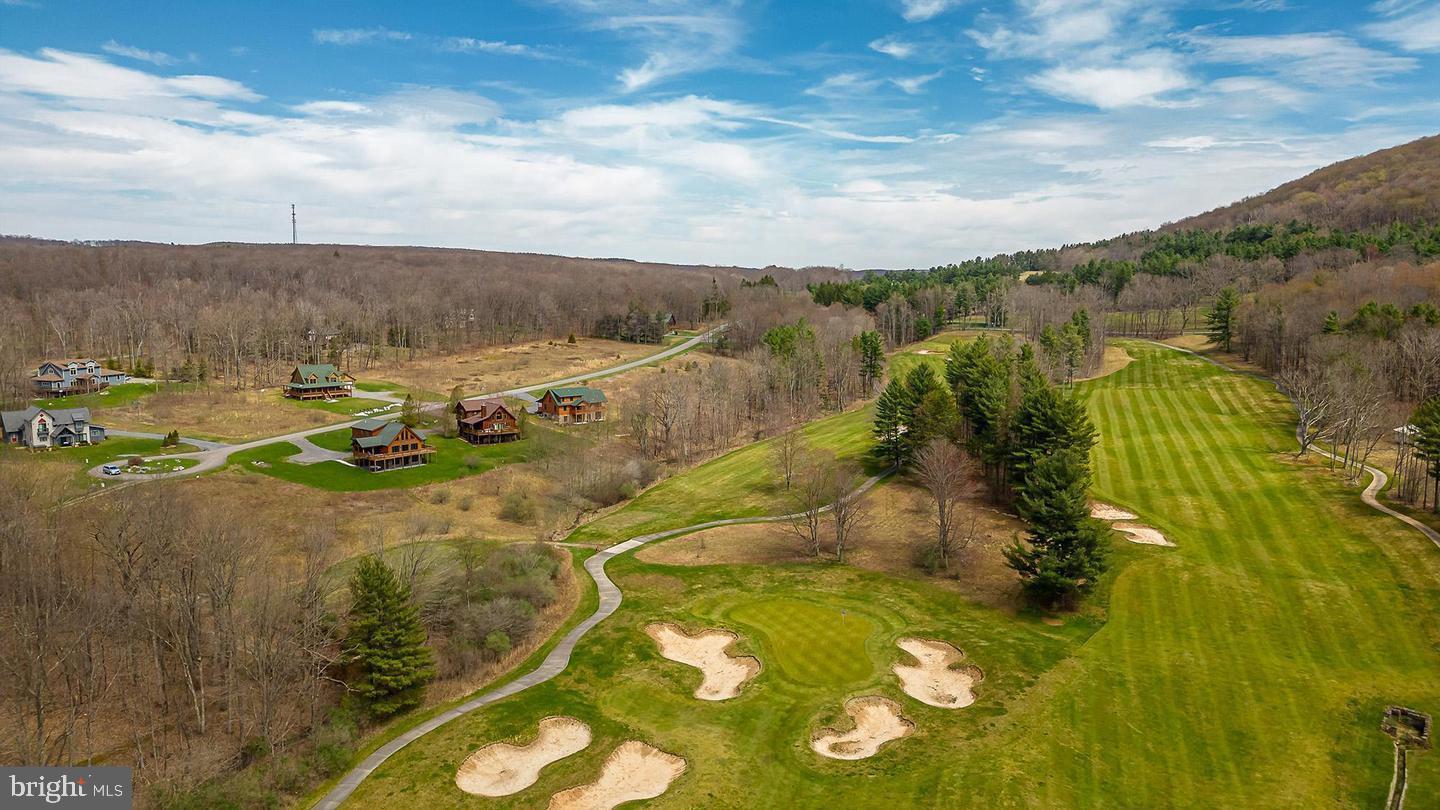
x,y
249,312
1400,184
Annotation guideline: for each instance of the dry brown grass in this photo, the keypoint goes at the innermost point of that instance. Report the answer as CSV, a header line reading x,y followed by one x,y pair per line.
x,y
505,367
891,541
1115,359
220,413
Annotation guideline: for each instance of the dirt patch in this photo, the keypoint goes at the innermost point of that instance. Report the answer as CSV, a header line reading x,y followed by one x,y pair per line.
x,y
501,769
706,651
877,721
1142,534
1105,511
1114,359
934,679
633,772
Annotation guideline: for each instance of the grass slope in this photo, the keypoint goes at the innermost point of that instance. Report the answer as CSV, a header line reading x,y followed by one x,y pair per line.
x,y
455,459
738,484
1245,668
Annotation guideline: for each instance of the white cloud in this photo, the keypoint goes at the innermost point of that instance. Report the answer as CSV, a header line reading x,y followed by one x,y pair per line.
x,y
893,46
1412,24
129,52
843,85
1142,80
472,45
80,76
358,36
914,84
921,10
1320,59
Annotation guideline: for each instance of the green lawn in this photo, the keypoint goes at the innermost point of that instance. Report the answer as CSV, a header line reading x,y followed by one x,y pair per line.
x,y
118,448
1247,667
112,397
739,484
338,440
454,460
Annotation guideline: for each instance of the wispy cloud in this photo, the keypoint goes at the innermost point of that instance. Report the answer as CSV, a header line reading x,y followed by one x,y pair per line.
x,y
130,52
358,36
915,84
1321,59
1412,24
893,46
1140,80
921,10
472,45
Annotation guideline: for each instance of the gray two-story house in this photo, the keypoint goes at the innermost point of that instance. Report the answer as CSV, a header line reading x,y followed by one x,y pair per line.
x,y
77,375
50,427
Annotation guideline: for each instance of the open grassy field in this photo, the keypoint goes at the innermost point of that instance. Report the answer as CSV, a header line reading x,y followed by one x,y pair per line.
x,y
741,483
1247,667
501,368
112,397
455,459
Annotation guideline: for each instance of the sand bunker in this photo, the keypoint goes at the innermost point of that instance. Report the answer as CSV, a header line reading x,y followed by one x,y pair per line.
x,y
935,680
634,771
724,674
501,768
877,721
1105,511
1142,534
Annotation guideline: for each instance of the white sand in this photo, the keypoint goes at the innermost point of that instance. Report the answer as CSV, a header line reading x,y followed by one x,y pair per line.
x,y
501,769
724,674
632,772
877,721
1105,511
1142,534
934,680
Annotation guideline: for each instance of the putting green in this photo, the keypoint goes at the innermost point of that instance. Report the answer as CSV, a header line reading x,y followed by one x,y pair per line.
x,y
813,644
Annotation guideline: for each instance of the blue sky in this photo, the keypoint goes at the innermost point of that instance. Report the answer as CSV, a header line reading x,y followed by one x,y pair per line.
x,y
891,133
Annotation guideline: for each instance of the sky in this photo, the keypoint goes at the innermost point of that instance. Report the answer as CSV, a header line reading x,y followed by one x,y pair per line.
x,y
884,133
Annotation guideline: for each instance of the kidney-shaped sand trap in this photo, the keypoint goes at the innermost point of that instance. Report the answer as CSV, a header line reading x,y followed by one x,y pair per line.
x,y
877,721
500,769
1142,534
724,674
1105,511
634,771
935,679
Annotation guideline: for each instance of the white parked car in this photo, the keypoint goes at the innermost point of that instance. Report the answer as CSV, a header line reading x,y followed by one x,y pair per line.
x,y
111,469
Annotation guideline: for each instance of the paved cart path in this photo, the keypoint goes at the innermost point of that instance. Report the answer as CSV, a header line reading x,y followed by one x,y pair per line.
x,y
558,658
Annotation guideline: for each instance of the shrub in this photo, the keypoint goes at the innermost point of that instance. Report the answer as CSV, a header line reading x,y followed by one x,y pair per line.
x,y
517,508
135,461
466,503
497,644
472,462
440,496
571,339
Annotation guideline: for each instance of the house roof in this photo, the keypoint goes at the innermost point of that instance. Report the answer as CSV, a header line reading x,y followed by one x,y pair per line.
x,y
49,378
318,369
65,361
371,424
386,435
482,407
585,394
60,417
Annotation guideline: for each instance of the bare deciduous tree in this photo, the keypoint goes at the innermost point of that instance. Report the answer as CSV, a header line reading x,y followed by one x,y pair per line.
x,y
944,470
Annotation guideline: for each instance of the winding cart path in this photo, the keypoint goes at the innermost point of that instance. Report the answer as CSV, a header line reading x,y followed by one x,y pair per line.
x,y
558,658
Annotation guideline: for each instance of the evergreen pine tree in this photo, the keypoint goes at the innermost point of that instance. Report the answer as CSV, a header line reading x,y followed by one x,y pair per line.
x,y
1332,324
890,425
935,417
1221,320
385,641
1426,421
1064,555
872,358
1047,422
410,411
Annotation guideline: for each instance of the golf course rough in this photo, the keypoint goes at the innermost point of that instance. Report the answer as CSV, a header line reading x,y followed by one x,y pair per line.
x,y
634,771
500,769
934,679
877,721
706,651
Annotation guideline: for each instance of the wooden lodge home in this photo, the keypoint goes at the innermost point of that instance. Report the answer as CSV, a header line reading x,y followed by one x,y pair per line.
x,y
76,375
319,381
574,405
378,445
486,421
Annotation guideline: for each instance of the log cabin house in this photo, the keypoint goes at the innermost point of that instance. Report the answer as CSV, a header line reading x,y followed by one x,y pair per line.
x,y
318,381
378,445
486,421
574,405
